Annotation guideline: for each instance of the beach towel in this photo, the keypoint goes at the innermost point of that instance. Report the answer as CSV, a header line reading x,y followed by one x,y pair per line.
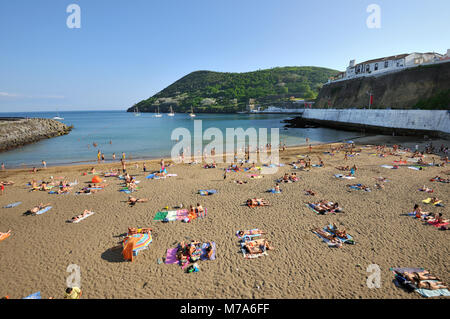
x,y
432,293
3,236
171,256
436,224
204,253
160,216
388,166
80,219
429,199
36,295
126,191
205,192
415,168
46,209
274,191
344,176
12,205
359,187
316,165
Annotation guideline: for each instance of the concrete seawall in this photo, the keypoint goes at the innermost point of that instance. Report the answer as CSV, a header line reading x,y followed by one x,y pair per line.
x,y
16,132
399,122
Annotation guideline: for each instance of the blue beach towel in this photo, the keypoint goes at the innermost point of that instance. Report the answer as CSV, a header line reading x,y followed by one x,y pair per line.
x,y
12,205
46,209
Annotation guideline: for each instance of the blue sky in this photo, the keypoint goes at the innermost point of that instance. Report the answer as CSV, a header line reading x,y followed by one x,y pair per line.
x,y
126,51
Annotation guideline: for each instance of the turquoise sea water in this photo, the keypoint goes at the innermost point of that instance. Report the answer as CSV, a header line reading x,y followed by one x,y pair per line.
x,y
143,136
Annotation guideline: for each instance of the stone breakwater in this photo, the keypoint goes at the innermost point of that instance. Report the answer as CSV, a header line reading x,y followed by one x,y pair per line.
x,y
16,132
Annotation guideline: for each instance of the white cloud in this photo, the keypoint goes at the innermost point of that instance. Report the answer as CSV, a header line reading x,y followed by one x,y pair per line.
x,y
49,96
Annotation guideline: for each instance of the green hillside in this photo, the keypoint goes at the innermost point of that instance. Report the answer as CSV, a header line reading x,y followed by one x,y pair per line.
x,y
208,91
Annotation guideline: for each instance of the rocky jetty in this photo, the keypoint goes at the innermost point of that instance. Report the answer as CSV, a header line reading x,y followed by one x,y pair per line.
x,y
16,132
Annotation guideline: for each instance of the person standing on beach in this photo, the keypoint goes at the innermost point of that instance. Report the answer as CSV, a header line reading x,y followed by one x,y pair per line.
x,y
114,156
2,188
99,154
3,166
123,156
44,164
310,148
103,157
124,166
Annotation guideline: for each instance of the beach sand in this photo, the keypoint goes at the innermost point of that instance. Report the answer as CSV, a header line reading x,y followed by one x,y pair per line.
x,y
36,256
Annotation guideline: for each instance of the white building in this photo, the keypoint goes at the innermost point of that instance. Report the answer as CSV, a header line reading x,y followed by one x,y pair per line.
x,y
387,64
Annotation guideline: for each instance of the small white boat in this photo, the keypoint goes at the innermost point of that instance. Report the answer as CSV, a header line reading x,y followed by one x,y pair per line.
x,y
192,112
58,117
136,113
158,114
171,112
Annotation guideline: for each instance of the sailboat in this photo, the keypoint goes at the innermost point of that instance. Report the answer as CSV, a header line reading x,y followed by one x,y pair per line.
x,y
136,113
158,114
171,112
192,112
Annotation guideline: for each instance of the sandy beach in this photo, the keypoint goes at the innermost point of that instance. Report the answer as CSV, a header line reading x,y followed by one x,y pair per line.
x,y
36,255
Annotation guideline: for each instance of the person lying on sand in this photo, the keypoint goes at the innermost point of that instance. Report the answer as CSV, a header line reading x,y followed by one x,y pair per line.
x,y
343,168
257,202
339,233
419,277
44,187
241,182
310,192
242,233
332,238
35,209
257,246
85,213
133,230
277,188
293,177
132,201
426,189
209,250
379,186
7,183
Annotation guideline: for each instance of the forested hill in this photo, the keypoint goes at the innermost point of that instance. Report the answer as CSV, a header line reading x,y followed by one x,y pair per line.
x,y
208,91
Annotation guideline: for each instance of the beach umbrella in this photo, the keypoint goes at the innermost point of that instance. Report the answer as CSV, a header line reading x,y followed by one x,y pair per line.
x,y
135,243
96,180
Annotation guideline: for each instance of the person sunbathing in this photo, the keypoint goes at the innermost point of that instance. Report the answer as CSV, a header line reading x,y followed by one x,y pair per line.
x,y
339,233
243,233
257,202
44,187
199,209
277,188
241,182
7,183
257,246
85,213
343,168
35,209
419,213
310,192
132,201
332,238
293,177
133,230
209,250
